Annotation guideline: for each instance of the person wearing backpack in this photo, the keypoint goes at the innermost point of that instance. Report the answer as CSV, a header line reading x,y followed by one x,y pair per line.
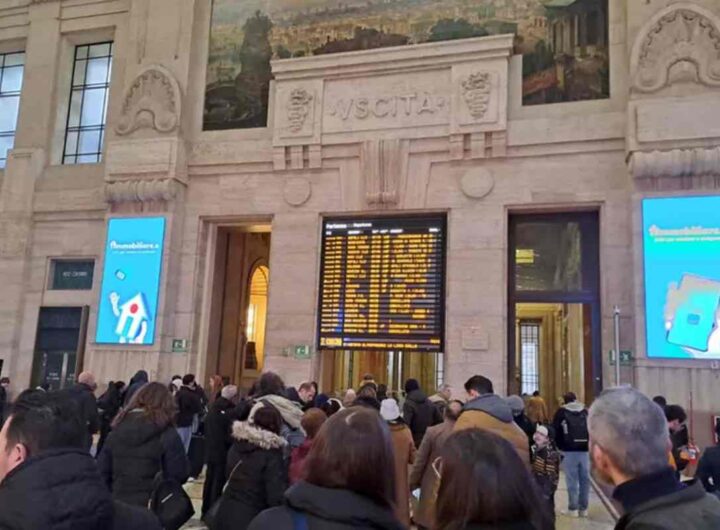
x,y
571,432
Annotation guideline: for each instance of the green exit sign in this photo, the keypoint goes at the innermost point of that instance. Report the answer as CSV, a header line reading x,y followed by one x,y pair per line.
x,y
302,351
626,358
179,345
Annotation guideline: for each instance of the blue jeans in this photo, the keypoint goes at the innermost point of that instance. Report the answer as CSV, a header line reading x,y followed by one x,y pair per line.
x,y
577,477
185,436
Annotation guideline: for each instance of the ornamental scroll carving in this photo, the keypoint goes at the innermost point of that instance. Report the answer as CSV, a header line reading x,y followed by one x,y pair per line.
x,y
151,102
476,91
149,190
676,163
682,37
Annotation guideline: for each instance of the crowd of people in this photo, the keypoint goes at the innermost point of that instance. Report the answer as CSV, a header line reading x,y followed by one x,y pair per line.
x,y
278,457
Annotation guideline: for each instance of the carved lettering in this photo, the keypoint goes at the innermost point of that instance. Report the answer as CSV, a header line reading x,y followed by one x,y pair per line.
x,y
386,106
361,108
376,107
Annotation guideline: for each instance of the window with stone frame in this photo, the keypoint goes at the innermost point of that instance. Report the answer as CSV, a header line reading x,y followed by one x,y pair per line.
x,y
11,78
85,130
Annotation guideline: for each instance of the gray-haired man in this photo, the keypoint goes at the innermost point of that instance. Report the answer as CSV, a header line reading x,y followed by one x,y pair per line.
x,y
629,447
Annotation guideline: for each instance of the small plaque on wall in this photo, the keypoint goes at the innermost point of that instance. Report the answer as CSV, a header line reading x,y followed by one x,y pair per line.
x,y
72,275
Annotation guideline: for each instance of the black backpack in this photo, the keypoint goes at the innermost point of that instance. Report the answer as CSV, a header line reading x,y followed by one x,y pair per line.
x,y
575,430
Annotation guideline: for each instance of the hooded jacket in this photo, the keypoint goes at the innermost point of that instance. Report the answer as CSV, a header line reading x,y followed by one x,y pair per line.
x,y
61,489
491,413
420,413
138,380
257,476
562,441
327,509
218,423
135,451
291,414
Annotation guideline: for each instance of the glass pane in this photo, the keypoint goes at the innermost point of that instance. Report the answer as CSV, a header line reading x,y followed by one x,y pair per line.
x,y
548,256
100,50
96,71
88,159
71,143
75,106
12,79
6,142
69,159
8,113
15,59
79,75
81,52
93,107
89,142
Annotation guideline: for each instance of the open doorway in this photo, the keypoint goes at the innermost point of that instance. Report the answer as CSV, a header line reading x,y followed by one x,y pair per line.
x,y
238,314
554,306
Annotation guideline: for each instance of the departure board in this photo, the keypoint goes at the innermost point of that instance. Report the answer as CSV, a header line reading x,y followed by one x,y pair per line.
x,y
382,284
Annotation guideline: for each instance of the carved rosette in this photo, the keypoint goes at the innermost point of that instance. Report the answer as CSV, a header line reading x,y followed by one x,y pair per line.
x,y
681,37
298,108
151,102
147,190
476,90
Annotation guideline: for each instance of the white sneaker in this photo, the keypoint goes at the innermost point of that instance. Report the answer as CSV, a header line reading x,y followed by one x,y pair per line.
x,y
583,514
570,513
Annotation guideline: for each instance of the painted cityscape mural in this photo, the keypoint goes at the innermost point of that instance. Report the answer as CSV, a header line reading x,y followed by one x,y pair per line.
x,y
563,43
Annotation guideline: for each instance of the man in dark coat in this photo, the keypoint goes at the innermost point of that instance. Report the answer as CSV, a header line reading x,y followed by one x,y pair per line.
x,y
628,447
83,395
109,405
217,443
48,480
136,382
189,405
418,411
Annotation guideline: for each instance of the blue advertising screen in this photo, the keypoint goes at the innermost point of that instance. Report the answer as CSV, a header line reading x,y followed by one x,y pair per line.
x,y
681,243
127,310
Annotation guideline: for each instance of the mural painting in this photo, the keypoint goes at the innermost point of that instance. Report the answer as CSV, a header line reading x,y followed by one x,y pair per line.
x,y
563,43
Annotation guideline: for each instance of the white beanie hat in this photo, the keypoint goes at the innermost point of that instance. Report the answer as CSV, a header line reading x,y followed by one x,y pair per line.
x,y
389,409
543,430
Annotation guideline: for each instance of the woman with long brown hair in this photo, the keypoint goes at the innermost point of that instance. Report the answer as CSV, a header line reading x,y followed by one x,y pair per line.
x,y
484,485
142,443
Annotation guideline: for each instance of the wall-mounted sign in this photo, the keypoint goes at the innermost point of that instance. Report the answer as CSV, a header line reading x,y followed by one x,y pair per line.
x,y
681,246
179,345
382,284
72,274
626,358
127,310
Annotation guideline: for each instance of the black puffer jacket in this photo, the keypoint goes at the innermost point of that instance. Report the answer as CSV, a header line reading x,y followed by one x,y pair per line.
x,y
327,509
84,398
188,403
62,490
257,476
217,430
420,413
137,381
135,452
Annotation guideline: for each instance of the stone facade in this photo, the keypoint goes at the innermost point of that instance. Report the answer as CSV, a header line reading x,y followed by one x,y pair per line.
x,y
434,127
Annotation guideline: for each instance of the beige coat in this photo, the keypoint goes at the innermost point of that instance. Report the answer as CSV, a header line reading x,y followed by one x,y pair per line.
x,y
404,450
422,475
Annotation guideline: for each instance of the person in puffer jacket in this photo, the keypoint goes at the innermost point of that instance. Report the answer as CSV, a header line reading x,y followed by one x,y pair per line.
x,y
418,411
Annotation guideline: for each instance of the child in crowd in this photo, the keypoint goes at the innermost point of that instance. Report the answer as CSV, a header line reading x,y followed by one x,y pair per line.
x,y
546,465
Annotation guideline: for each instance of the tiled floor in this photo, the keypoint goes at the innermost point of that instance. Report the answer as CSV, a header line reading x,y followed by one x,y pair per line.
x,y
598,519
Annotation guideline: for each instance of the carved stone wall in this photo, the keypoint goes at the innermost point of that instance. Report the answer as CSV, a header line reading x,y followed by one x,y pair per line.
x,y
153,101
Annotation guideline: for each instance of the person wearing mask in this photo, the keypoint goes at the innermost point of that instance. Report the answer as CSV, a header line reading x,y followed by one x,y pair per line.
x,y
48,480
422,475
82,393
536,410
676,418
306,393
442,397
517,405
311,422
109,405
217,442
257,474
485,410
143,442
189,406
546,466
404,452
484,485
628,445
418,411
343,488
571,434
136,383
271,390
708,470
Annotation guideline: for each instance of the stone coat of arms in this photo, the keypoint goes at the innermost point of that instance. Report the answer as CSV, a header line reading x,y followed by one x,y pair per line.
x,y
476,90
298,108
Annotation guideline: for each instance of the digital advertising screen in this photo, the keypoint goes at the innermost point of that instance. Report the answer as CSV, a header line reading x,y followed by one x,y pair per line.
x,y
681,247
127,309
382,284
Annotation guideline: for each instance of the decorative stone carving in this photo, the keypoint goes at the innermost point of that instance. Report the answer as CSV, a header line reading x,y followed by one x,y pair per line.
x,y
675,163
684,37
297,191
476,91
147,190
152,101
477,183
384,165
298,108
